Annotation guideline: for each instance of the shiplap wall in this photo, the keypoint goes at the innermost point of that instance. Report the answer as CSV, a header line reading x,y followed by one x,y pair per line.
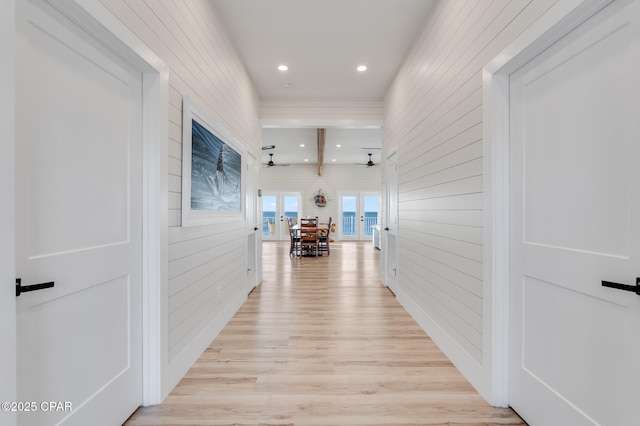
x,y
433,114
335,178
320,112
207,264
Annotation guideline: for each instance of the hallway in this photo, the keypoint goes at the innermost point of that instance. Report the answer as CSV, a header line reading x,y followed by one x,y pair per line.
x,y
322,342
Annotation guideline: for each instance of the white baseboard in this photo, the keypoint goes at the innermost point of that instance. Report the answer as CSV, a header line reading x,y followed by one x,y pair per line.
x,y
185,360
469,367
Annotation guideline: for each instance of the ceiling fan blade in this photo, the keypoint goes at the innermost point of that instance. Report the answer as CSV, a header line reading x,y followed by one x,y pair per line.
x,y
364,147
265,147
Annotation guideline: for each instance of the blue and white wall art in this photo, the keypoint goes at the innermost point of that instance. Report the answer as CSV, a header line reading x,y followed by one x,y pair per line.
x,y
212,181
215,172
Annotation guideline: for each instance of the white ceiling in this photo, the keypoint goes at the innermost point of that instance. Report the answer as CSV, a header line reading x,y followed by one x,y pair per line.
x,y
355,144
322,42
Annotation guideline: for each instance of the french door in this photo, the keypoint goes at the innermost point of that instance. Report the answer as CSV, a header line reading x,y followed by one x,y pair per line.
x,y
358,215
276,208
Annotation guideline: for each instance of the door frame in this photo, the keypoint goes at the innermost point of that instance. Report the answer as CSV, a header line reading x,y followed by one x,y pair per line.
x,y
557,22
8,355
99,22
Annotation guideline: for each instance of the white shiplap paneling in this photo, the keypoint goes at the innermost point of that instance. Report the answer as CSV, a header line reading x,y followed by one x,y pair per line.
x,y
320,113
206,264
433,114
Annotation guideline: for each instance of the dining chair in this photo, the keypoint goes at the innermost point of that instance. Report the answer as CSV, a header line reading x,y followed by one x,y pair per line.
x,y
294,237
324,230
309,236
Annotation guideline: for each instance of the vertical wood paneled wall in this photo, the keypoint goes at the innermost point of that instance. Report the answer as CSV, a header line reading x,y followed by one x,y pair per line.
x,y
433,114
206,264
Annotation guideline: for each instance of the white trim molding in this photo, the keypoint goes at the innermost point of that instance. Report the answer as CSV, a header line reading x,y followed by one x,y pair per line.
x,y
8,360
557,22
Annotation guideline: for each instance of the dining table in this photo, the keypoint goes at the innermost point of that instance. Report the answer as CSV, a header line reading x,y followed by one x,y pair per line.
x,y
295,236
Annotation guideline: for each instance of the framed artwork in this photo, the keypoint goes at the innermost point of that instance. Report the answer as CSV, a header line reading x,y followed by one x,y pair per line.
x,y
212,181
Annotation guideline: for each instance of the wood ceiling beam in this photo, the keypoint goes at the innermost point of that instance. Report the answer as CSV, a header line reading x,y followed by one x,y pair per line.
x,y
322,133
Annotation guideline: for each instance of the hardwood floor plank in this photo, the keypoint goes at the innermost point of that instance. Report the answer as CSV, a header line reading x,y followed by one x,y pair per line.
x,y
322,342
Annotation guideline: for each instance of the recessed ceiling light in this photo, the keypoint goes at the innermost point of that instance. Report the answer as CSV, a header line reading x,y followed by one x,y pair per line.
x,y
338,146
302,145
283,67
306,159
362,68
333,159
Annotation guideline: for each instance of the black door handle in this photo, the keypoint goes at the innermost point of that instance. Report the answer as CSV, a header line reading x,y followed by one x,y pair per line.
x,y
23,289
256,228
386,229
625,287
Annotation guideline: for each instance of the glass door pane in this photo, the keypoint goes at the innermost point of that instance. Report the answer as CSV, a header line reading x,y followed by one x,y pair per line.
x,y
358,215
348,224
276,207
291,209
370,209
269,214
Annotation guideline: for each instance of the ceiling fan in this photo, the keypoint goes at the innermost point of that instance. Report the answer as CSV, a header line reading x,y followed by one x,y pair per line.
x,y
271,163
369,163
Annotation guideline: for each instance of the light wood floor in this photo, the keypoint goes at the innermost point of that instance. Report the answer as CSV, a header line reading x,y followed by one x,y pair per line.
x,y
322,342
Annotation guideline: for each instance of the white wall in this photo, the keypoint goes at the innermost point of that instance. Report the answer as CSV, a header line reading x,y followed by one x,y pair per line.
x,y
320,112
7,215
207,264
433,114
335,178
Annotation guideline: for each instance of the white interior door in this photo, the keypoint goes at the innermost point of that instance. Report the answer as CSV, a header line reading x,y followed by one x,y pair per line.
x,y
575,221
390,227
78,210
